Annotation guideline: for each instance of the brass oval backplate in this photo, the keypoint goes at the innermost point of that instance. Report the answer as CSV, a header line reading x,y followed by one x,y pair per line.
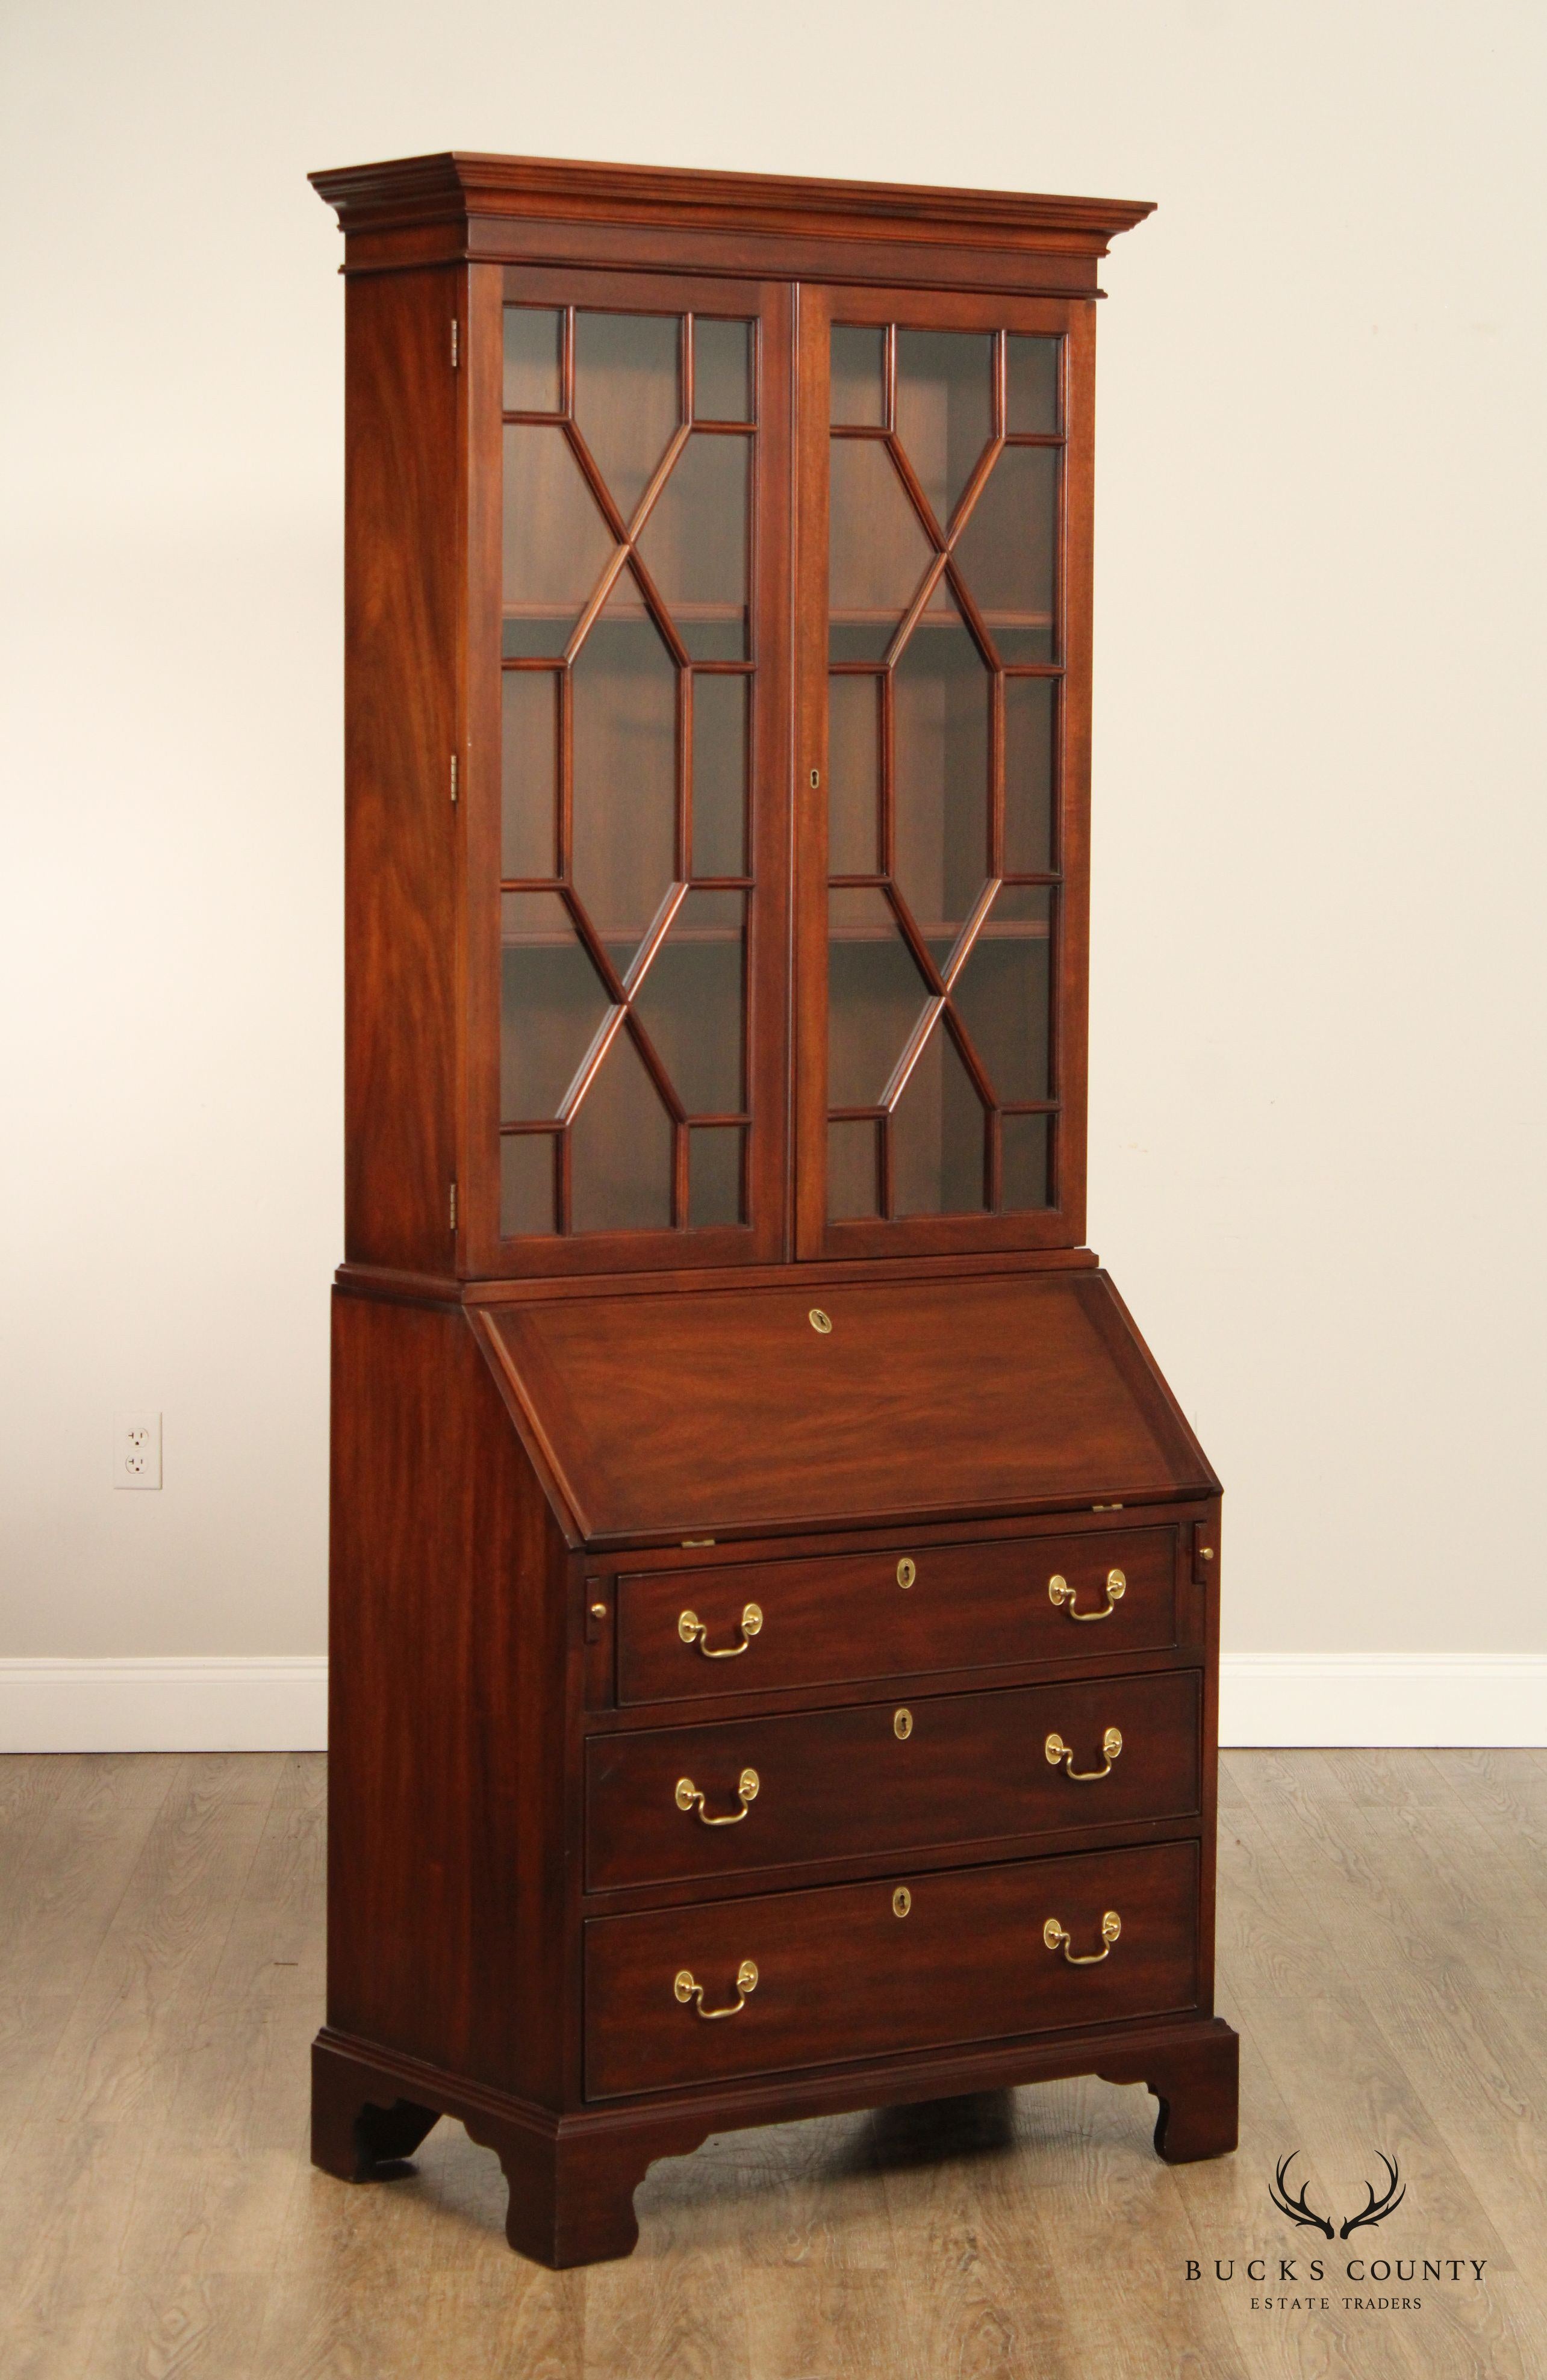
x,y
907,1570
819,1322
902,1902
901,1725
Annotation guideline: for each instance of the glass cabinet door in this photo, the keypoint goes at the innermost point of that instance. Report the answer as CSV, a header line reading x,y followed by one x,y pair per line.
x,y
947,634
632,668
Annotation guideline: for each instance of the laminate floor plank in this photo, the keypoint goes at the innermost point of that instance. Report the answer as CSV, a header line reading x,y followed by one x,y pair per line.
x,y
1380,1944
1366,2047
98,2118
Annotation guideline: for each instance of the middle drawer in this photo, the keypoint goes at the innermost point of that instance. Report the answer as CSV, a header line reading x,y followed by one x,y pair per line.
x,y
665,1805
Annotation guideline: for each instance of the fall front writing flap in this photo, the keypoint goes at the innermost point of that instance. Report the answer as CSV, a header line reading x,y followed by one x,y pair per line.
x,y
729,1412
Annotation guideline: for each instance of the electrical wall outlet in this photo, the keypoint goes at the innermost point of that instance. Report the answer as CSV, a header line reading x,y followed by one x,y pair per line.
x,y
137,1451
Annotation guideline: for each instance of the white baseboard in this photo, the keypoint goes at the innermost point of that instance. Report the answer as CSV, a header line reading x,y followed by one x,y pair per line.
x,y
1382,1699
234,1702
238,1704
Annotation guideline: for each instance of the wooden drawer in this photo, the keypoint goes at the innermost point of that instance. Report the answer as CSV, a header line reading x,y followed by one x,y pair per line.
x,y
849,1784
841,1975
822,1620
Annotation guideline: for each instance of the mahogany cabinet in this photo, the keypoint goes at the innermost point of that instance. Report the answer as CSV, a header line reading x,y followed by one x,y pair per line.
x,y
774,1603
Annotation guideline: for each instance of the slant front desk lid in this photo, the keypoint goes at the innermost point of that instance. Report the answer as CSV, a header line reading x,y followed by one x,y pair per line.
x,y
732,1411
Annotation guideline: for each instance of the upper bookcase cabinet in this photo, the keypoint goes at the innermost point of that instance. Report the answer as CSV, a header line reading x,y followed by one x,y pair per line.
x,y
718,670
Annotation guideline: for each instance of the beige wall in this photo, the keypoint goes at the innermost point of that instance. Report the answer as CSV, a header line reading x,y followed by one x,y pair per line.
x,y
1317,1143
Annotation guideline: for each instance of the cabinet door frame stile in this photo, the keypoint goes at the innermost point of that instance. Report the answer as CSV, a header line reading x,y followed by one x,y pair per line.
x,y
1055,1227
481,1253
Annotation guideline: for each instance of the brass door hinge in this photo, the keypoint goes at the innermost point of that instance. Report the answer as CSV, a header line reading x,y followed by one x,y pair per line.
x,y
454,776
456,342
453,1206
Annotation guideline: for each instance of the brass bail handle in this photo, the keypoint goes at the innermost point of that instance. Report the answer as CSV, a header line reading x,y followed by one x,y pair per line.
x,y
690,1798
1054,1936
1060,1591
691,1630
687,1989
1058,1751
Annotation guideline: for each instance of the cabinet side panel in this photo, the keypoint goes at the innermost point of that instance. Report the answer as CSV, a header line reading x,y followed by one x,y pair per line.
x,y
446,1732
401,640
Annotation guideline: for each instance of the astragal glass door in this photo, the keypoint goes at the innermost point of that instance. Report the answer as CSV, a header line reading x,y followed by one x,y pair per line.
x,y
945,708
640,991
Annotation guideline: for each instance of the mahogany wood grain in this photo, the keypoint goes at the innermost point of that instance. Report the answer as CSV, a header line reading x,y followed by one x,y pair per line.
x,y
975,1606
546,1449
979,1395
401,629
841,1784
841,1975
447,1719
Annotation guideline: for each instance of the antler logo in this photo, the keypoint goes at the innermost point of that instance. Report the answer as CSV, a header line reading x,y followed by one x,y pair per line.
x,y
1299,2211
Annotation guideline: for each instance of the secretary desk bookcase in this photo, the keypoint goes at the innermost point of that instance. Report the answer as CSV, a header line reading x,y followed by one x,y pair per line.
x,y
775,1592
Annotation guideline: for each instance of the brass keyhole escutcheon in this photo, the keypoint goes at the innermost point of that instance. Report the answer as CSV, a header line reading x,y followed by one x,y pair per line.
x,y
907,1570
901,1725
821,1323
902,1902
816,781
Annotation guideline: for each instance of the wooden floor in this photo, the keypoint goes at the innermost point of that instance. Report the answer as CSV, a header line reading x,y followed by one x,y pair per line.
x,y
1382,1950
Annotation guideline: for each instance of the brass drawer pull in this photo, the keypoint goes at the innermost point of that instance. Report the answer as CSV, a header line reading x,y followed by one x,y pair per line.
x,y
1057,1749
690,1798
687,1989
691,1630
1060,1591
1053,1935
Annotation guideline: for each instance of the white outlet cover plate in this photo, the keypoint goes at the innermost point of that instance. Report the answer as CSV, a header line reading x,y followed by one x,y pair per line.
x,y
136,1450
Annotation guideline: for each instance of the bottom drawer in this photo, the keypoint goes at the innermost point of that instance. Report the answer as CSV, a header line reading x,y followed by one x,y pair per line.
x,y
869,1970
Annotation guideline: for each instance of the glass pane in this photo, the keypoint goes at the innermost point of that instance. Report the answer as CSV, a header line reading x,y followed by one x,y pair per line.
x,y
856,375
532,360
945,410
624,816
526,1183
938,1136
620,1149
851,1171
877,551
875,996
1002,994
853,776
1024,1162
1005,553
694,546
722,371
714,1177
1032,392
941,774
719,775
692,1002
555,541
528,771
1029,776
552,1005
627,396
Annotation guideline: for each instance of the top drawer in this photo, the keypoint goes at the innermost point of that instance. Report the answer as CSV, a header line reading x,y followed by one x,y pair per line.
x,y
759,1627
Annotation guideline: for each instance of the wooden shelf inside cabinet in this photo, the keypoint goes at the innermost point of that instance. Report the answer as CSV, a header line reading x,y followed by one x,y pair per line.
x,y
737,1453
